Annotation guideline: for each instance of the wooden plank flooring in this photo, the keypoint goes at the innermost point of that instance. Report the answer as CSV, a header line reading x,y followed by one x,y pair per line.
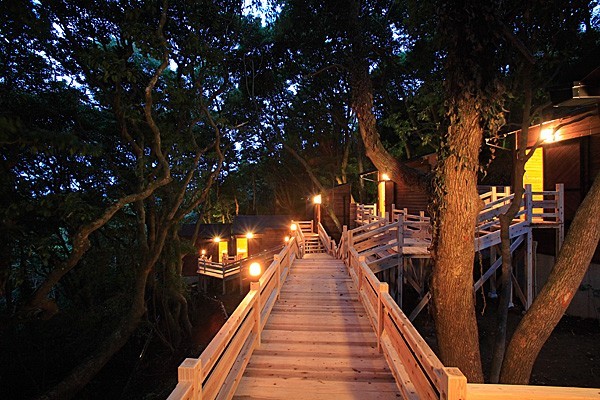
x,y
318,343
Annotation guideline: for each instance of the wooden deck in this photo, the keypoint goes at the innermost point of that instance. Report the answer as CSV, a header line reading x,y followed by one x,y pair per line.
x,y
318,342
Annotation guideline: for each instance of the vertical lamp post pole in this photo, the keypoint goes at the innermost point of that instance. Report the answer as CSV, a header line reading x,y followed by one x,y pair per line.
x,y
383,178
249,235
317,202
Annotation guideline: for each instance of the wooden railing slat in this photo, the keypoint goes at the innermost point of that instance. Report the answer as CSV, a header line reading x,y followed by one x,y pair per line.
x,y
485,391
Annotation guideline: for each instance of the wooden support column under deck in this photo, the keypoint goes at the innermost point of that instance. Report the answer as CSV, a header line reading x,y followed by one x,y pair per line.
x,y
400,276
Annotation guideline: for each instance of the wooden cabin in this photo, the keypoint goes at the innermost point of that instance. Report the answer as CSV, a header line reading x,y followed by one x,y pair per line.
x,y
245,236
213,243
569,154
256,233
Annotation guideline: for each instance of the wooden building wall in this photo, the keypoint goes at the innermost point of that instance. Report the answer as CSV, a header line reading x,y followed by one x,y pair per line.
x,y
410,197
575,163
340,197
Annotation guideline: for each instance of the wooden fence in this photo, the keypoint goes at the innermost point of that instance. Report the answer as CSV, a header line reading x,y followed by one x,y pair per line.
x,y
418,372
218,370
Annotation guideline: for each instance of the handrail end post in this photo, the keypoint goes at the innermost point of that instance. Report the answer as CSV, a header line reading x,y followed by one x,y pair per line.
x,y
190,370
455,384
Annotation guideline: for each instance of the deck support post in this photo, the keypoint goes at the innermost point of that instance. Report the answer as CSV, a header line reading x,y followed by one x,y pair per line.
x,y
529,269
560,215
529,247
493,294
400,274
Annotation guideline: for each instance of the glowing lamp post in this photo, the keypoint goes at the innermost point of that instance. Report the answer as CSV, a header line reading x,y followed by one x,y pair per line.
x,y
381,189
317,200
286,239
254,271
203,258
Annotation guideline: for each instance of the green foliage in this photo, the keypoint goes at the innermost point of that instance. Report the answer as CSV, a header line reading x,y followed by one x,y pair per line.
x,y
75,137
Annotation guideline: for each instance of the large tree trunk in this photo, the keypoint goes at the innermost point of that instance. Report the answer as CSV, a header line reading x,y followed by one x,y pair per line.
x,y
556,295
458,205
472,97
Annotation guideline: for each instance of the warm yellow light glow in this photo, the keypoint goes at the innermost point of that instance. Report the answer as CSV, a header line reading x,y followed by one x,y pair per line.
x,y
548,135
216,239
254,269
385,177
203,252
286,239
249,235
293,227
317,199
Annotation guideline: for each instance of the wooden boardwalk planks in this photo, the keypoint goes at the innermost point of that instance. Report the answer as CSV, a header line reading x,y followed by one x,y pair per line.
x,y
318,343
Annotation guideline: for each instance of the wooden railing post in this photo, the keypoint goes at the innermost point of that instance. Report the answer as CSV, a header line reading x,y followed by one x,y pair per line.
x,y
383,288
277,259
359,274
456,384
190,370
258,307
345,242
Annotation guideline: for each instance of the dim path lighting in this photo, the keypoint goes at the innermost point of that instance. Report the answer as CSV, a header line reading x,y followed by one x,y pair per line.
x,y
254,269
249,235
293,227
317,199
385,177
217,239
286,239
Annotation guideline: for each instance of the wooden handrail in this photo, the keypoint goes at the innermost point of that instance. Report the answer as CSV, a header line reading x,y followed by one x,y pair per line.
x,y
299,235
217,372
327,241
418,371
220,270
486,391
416,368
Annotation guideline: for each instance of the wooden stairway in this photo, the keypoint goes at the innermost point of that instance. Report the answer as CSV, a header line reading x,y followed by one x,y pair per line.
x,y
312,244
318,342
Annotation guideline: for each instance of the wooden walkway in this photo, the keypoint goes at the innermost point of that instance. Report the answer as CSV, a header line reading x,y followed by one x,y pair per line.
x,y
318,342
